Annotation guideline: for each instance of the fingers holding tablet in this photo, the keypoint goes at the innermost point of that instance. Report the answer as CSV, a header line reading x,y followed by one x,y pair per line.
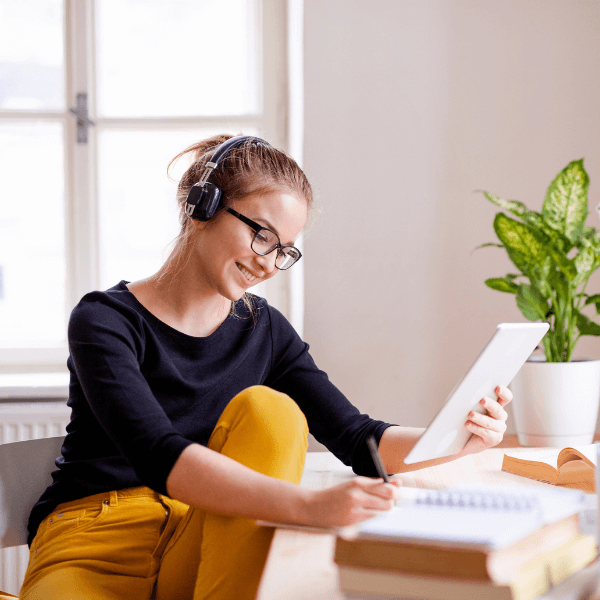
x,y
504,395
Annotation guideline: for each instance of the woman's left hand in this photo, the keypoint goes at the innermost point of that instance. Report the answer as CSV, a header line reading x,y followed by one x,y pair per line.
x,y
488,429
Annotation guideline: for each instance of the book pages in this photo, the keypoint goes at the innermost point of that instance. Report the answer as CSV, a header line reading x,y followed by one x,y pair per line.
x,y
550,456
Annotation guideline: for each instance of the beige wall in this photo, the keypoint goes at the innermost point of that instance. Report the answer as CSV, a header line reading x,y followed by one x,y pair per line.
x,y
410,106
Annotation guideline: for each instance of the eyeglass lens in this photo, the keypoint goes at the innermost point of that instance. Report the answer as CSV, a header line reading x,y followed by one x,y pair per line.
x,y
265,241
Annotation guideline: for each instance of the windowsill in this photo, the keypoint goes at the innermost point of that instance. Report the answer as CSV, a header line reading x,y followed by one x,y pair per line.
x,y
34,386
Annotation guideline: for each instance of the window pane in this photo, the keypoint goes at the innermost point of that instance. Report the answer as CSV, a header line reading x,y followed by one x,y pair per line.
x,y
191,57
31,54
138,211
32,231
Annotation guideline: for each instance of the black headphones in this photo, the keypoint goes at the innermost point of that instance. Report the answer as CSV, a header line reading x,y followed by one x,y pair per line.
x,y
205,198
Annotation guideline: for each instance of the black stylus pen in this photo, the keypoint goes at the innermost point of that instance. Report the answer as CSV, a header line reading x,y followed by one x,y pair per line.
x,y
377,459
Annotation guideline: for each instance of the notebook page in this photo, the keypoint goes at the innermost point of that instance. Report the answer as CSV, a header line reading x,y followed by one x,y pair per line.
x,y
475,516
451,527
555,503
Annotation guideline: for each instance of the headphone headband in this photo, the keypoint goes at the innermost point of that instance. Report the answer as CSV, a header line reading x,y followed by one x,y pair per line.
x,y
205,198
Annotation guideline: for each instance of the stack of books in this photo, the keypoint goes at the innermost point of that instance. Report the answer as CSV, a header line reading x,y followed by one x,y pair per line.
x,y
510,544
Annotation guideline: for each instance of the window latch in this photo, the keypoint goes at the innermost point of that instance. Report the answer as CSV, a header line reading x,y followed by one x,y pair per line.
x,y
81,112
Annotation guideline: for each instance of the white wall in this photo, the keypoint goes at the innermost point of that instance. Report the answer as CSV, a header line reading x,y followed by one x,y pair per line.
x,y
410,106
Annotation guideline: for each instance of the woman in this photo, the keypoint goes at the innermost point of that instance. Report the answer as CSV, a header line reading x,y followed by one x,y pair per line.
x,y
191,403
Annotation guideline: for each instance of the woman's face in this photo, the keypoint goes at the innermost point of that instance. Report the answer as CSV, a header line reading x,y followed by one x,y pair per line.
x,y
224,260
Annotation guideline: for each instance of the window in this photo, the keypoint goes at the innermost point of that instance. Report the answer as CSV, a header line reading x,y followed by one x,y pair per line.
x,y
154,76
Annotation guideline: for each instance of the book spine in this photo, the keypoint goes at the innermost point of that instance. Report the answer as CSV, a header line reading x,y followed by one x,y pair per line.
x,y
369,583
533,579
415,559
580,554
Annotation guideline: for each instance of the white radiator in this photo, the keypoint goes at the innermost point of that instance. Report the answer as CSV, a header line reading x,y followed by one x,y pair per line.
x,y
19,422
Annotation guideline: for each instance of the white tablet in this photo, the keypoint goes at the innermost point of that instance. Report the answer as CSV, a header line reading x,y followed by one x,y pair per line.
x,y
497,364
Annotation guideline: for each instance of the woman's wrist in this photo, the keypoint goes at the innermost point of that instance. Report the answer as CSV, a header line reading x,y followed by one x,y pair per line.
x,y
302,507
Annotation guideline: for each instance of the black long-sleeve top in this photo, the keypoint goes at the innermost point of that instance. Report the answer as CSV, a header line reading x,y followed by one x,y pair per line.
x,y
140,392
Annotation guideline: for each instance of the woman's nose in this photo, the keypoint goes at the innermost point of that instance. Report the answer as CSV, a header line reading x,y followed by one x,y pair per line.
x,y
267,262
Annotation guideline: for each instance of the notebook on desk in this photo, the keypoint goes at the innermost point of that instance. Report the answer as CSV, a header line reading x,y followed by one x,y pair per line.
x,y
468,541
469,515
472,515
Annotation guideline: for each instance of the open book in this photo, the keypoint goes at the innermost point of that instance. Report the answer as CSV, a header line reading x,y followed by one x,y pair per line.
x,y
569,467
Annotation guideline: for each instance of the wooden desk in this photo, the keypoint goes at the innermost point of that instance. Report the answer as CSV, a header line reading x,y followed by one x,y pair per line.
x,y
300,564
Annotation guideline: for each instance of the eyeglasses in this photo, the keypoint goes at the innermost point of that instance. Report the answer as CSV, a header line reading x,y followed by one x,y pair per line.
x,y
265,241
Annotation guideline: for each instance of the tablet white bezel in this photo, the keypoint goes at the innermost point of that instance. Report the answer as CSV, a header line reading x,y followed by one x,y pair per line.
x,y
497,364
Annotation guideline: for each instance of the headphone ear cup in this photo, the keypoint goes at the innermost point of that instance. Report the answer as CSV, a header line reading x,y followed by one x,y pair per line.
x,y
203,201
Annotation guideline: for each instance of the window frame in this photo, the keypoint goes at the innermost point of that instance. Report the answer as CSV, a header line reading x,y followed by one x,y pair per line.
x,y
82,241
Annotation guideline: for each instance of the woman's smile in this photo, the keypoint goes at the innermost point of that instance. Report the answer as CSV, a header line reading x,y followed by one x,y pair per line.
x,y
245,273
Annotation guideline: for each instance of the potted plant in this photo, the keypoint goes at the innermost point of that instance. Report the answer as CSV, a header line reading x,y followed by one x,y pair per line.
x,y
556,399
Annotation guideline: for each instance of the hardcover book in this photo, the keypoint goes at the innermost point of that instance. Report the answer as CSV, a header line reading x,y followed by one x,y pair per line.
x,y
533,579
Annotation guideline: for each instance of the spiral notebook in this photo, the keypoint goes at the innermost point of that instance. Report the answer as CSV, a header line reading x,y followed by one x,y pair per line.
x,y
473,516
478,516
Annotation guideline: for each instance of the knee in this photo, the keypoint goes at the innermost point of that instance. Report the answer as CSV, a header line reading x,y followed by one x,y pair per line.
x,y
264,430
271,409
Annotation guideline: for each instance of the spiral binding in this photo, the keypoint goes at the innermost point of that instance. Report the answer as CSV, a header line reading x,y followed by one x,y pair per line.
x,y
477,500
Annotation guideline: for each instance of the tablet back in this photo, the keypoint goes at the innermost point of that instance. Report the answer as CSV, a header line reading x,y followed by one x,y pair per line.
x,y
497,364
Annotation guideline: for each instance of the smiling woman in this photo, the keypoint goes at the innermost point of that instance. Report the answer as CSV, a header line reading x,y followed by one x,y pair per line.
x,y
227,257
263,183
191,403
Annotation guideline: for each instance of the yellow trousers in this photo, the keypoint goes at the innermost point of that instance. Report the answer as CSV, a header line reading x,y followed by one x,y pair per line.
x,y
137,544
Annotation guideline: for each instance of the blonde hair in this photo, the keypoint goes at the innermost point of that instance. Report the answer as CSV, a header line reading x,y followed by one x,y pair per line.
x,y
249,169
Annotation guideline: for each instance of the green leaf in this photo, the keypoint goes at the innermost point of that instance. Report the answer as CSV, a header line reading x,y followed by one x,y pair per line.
x,y
557,239
531,303
595,299
502,284
560,283
523,244
514,206
565,206
489,244
530,217
585,325
533,219
539,276
566,265
592,236
584,263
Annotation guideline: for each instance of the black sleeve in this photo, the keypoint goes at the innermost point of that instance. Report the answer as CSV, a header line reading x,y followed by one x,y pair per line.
x,y
332,419
106,347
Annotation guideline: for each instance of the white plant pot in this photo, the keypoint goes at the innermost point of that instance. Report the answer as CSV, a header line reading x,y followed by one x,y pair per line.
x,y
556,404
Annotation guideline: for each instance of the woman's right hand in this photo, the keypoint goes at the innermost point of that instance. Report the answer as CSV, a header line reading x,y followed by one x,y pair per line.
x,y
352,502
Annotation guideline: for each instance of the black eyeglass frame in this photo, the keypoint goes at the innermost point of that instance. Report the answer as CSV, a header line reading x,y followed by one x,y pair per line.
x,y
257,229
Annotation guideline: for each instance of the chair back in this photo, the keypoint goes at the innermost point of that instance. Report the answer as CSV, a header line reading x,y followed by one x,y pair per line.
x,y
25,469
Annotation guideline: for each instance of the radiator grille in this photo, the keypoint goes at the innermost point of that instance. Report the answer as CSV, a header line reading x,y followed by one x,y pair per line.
x,y
20,422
